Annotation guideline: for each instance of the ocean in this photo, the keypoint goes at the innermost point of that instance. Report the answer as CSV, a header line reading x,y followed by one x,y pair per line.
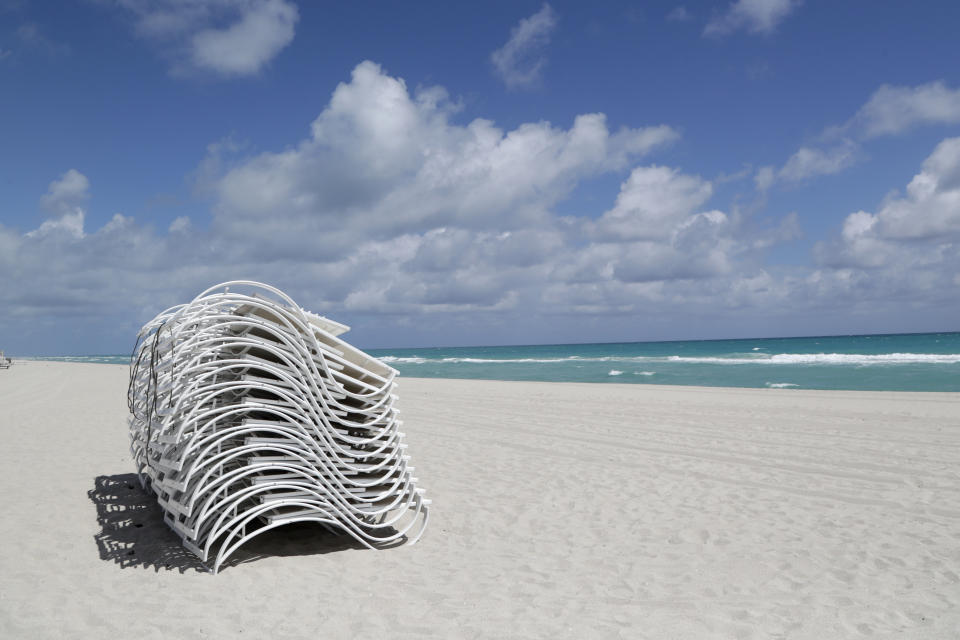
x,y
890,362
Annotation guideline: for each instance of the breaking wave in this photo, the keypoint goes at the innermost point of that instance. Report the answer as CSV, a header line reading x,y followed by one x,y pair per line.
x,y
831,358
755,358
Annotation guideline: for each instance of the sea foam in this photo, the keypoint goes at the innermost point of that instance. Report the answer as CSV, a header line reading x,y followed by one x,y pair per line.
x,y
830,358
746,358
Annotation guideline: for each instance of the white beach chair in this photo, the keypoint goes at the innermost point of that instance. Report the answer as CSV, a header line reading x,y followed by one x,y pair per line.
x,y
249,413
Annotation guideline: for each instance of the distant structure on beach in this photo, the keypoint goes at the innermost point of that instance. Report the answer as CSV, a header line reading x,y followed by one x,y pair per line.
x,y
5,362
249,413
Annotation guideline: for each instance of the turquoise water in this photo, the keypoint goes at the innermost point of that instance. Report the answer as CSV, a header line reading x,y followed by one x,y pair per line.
x,y
905,362
902,362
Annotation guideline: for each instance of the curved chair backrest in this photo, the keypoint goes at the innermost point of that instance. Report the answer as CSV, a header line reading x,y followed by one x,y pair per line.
x,y
249,413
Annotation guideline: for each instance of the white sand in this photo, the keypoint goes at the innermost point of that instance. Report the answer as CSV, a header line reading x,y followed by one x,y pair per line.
x,y
560,510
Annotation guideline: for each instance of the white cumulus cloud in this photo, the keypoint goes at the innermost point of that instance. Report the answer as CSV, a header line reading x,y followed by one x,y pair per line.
x,y
763,179
931,206
652,203
69,225
416,228
917,232
66,193
246,45
381,161
755,16
893,109
808,162
225,37
521,60
181,224
890,110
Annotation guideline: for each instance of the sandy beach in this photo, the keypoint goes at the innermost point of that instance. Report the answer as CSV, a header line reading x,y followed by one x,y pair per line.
x,y
559,510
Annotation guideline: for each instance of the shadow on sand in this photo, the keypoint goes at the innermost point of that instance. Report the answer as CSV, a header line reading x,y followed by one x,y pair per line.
x,y
134,535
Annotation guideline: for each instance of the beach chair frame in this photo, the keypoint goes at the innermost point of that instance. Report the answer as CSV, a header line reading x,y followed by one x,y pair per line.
x,y
249,413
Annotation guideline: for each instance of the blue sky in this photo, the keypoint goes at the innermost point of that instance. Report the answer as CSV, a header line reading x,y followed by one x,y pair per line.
x,y
481,173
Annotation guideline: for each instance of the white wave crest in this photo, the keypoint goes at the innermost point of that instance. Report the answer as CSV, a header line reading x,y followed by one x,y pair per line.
x,y
419,360
411,360
745,358
880,358
831,358
614,372
644,373
781,385
505,360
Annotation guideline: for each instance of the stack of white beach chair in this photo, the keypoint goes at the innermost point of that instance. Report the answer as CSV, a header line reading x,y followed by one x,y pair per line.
x,y
249,413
